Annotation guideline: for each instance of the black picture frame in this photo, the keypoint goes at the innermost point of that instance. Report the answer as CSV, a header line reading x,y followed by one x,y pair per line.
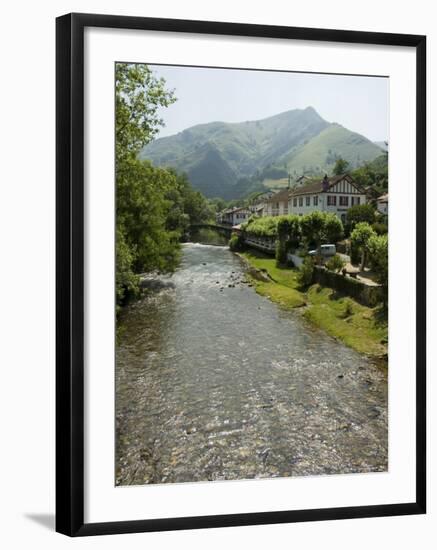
x,y
70,273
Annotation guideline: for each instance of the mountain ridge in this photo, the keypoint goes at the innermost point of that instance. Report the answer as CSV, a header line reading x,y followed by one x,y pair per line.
x,y
227,160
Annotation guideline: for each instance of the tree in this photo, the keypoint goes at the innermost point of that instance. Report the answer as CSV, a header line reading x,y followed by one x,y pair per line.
x,y
144,205
360,238
340,167
359,213
333,228
143,242
289,233
138,97
155,206
373,174
318,227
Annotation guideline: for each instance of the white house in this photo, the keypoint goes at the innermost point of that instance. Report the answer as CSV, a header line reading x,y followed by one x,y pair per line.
x,y
335,194
382,204
234,216
277,204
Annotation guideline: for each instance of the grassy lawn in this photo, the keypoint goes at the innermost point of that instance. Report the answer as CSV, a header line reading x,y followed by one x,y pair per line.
x,y
283,290
359,327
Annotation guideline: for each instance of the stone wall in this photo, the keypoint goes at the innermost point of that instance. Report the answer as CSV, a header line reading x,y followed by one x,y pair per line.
x,y
364,294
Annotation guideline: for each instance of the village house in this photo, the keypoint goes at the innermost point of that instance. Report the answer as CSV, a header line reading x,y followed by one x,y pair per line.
x,y
335,194
234,216
277,204
382,204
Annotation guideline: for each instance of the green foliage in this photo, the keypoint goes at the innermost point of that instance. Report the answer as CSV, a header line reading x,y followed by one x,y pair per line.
x,y
316,227
306,272
289,229
126,282
154,206
321,227
359,213
360,237
378,255
340,167
335,263
138,97
373,174
281,252
267,226
333,231
236,243
380,228
361,234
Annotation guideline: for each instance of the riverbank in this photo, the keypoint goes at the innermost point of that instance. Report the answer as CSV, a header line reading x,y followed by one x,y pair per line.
x,y
362,328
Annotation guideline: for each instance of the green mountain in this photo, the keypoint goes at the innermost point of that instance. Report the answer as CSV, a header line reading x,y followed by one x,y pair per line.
x,y
229,160
382,144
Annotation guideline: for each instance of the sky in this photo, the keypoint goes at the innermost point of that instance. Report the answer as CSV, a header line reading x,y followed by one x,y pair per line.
x,y
360,103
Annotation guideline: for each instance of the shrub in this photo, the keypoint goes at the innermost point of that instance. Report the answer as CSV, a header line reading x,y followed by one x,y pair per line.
x,y
380,228
335,263
319,227
306,272
281,253
236,243
266,226
359,213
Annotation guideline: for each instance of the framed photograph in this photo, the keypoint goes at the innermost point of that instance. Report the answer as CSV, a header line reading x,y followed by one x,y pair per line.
x,y
240,314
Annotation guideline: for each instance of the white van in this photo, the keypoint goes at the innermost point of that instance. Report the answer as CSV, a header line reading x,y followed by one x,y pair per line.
x,y
326,251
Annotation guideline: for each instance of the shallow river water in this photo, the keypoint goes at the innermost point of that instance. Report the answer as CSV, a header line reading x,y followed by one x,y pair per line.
x,y
215,382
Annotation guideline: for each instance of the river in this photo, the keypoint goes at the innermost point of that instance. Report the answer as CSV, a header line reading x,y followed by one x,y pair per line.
x,y
214,382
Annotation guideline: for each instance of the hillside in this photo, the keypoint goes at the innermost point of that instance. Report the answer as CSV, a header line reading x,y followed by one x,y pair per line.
x,y
229,160
320,153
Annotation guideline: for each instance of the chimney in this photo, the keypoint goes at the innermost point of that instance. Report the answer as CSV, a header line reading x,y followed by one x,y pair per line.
x,y
325,183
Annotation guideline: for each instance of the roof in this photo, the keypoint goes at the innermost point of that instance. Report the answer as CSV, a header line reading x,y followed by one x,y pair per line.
x,y
280,196
234,209
383,198
316,186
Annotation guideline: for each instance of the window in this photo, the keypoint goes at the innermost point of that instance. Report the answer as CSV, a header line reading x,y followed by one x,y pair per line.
x,y
352,201
332,200
294,202
307,201
344,201
358,200
300,201
315,201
